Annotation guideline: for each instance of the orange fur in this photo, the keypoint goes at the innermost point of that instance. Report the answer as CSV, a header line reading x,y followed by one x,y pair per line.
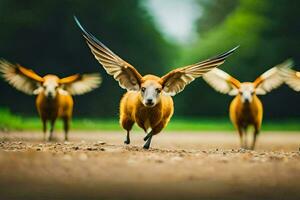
x,y
132,110
51,109
244,115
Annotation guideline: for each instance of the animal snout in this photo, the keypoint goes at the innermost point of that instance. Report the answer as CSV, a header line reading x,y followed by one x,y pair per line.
x,y
50,95
149,102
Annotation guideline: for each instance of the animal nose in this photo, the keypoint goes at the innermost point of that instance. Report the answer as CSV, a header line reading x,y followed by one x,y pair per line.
x,y
149,102
247,100
50,95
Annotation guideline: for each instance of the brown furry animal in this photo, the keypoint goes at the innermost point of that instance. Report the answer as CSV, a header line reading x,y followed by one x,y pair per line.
x,y
148,100
246,109
54,98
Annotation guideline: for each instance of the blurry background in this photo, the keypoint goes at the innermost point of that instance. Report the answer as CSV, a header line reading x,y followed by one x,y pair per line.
x,y
155,36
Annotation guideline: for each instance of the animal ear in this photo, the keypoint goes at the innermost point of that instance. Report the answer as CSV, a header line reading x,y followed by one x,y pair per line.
x,y
63,92
260,91
233,92
38,90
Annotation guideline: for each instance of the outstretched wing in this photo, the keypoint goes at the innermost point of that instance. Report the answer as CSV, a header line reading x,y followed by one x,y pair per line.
x,y
176,80
127,76
222,82
291,78
19,77
271,79
79,84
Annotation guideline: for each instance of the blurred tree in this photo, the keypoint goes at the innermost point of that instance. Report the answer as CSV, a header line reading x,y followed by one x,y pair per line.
x,y
43,36
268,32
214,12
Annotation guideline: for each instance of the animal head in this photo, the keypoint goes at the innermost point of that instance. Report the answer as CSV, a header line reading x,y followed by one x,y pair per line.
x,y
31,83
246,91
226,84
150,87
50,86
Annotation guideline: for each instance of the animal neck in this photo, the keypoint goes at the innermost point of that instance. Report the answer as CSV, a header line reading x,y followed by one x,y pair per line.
x,y
50,101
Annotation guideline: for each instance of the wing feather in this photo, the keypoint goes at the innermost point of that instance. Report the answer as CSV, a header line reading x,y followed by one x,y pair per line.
x,y
79,84
22,79
271,79
291,78
127,76
222,82
176,80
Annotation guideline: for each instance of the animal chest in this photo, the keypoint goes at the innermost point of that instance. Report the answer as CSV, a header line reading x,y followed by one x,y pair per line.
x,y
148,117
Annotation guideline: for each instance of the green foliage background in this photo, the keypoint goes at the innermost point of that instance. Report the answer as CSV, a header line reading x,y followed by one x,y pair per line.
x,y
42,35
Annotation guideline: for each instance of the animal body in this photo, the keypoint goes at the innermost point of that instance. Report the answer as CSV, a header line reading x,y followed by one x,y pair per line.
x,y
148,101
246,109
54,95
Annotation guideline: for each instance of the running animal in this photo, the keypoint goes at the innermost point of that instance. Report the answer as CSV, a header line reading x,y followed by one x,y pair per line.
x,y
148,100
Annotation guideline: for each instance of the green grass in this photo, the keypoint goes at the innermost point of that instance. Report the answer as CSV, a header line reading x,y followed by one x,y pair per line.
x,y
10,121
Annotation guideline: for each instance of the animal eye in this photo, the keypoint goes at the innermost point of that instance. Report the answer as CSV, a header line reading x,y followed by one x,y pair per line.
x,y
158,90
143,89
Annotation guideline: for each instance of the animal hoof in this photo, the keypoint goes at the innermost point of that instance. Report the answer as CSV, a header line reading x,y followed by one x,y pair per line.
x,y
126,142
145,147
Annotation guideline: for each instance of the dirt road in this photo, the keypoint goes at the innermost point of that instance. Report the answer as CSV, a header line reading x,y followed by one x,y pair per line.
x,y
179,166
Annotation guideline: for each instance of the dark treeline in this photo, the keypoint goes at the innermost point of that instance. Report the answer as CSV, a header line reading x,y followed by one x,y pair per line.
x,y
44,37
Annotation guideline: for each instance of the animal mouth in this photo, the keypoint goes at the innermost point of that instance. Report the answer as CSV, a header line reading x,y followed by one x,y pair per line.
x,y
148,104
50,97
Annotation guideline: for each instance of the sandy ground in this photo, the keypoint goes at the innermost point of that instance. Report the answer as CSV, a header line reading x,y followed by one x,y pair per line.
x,y
97,165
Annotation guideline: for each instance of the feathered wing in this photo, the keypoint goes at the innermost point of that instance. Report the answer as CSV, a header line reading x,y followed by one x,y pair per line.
x,y
176,80
291,78
271,79
127,76
79,84
222,82
19,77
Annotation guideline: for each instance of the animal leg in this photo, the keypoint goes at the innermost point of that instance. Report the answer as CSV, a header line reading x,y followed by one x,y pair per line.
x,y
148,142
127,125
52,122
44,128
241,134
154,131
147,136
245,138
66,121
256,132
127,140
